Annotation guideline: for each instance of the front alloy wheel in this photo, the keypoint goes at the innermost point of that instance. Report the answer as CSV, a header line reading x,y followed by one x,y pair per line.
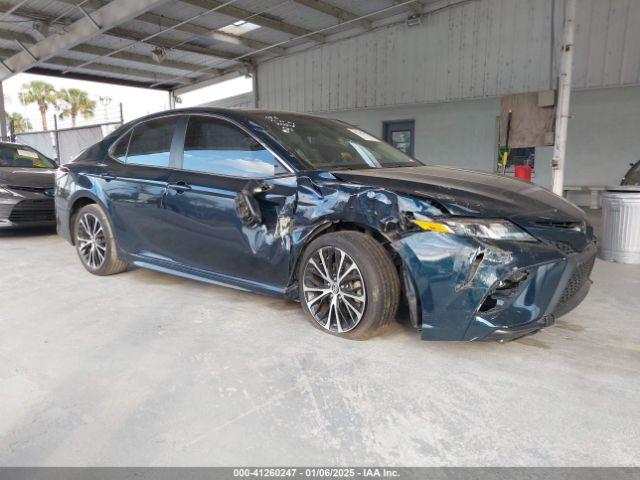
x,y
348,284
334,290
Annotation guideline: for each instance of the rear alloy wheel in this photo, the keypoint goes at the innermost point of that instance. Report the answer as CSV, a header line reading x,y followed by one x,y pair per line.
x,y
348,284
92,246
95,243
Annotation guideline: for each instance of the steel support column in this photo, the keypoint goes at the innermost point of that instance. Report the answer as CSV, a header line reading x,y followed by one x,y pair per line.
x,y
564,98
3,116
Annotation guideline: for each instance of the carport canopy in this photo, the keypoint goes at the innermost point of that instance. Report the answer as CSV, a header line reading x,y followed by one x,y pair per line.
x,y
181,44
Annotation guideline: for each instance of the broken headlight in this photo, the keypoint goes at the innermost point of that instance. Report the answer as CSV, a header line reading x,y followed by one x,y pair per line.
x,y
493,229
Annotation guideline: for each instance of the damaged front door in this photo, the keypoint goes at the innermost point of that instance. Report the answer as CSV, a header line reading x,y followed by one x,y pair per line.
x,y
222,165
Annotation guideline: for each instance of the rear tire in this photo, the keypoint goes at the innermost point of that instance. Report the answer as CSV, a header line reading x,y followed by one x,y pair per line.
x,y
348,285
95,243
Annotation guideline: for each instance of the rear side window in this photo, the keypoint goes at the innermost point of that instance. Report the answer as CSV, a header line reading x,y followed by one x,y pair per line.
x,y
151,142
219,147
119,150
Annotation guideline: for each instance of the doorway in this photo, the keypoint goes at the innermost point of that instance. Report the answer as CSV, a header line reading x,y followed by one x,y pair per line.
x,y
400,134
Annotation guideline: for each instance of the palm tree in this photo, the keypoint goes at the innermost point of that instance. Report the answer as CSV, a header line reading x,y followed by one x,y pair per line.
x,y
75,102
19,124
41,93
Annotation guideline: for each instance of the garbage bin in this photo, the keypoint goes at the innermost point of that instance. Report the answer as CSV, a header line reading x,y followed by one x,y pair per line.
x,y
621,225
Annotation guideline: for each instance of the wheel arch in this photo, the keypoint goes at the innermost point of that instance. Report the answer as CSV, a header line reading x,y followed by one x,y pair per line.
x,y
337,226
409,307
83,199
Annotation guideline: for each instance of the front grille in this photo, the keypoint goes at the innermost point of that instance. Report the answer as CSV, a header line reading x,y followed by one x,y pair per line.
x,y
34,211
5,210
565,248
580,275
578,226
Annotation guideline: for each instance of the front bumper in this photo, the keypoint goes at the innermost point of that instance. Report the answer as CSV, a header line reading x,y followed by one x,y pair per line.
x,y
506,334
23,211
456,281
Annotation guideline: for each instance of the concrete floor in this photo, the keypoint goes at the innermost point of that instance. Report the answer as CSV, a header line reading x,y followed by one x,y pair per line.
x,y
147,369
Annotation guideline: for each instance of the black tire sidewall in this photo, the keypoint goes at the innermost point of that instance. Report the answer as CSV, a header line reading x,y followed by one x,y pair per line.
x,y
374,315
109,241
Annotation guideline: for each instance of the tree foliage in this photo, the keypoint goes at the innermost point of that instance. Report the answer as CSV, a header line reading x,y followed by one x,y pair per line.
x,y
71,102
18,123
43,94
75,102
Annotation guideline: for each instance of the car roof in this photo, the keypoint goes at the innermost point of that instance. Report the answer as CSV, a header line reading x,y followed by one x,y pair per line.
x,y
228,112
233,114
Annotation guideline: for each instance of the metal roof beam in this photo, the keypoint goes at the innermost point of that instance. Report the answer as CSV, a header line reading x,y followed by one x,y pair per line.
x,y
107,17
168,44
163,21
93,50
258,19
135,57
415,6
200,31
89,77
433,9
333,11
148,75
112,69
123,34
12,9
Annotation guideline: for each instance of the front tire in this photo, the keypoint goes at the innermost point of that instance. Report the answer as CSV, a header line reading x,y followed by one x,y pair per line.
x,y
348,285
95,243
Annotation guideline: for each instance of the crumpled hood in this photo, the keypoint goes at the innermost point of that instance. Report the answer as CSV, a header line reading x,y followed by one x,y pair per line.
x,y
28,177
467,192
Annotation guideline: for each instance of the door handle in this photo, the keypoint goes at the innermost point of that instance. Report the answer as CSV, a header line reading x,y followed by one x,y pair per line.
x,y
179,187
108,176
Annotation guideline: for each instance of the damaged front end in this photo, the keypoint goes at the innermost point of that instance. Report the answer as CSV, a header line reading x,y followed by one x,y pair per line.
x,y
456,287
471,289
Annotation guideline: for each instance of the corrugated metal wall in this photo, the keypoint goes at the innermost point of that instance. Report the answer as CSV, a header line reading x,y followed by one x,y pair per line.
x,y
244,100
485,48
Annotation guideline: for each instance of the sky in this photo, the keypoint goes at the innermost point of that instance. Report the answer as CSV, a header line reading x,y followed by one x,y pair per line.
x,y
136,102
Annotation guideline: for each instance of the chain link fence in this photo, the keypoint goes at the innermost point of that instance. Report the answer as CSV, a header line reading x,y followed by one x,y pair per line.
x,y
68,136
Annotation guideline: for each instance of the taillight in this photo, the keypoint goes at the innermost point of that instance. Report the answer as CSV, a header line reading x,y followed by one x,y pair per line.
x,y
61,172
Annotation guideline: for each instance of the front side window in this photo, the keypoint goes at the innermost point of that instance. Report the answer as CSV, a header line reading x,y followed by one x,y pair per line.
x,y
216,146
323,144
19,156
150,142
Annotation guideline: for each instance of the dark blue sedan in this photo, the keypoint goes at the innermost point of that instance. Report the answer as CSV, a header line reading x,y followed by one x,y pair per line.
x,y
322,212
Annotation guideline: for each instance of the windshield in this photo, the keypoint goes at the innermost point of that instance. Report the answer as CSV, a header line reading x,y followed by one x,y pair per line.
x,y
323,144
19,156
